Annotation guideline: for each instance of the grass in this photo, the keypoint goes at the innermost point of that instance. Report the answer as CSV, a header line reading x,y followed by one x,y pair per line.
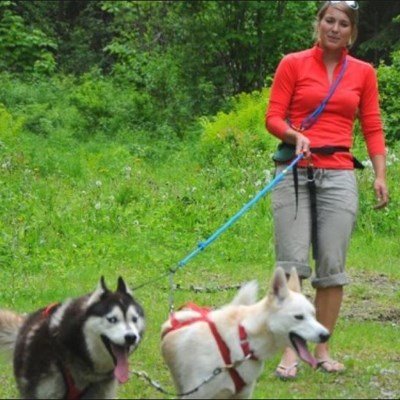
x,y
72,211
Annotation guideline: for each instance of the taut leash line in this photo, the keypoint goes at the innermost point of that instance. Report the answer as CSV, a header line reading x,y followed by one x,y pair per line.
x,y
203,245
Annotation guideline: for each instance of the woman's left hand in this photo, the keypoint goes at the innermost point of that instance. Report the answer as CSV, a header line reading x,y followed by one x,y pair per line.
x,y
382,194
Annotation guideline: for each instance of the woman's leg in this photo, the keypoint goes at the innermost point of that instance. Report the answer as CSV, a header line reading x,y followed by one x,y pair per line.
x,y
292,242
337,209
327,304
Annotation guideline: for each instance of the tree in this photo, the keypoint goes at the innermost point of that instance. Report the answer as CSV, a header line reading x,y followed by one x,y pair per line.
x,y
379,30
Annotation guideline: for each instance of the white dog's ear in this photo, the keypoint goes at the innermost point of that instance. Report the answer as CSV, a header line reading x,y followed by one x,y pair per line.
x,y
294,281
247,294
96,295
279,287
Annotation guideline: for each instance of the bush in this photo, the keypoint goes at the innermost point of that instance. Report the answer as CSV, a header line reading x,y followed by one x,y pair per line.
x,y
24,49
239,132
389,83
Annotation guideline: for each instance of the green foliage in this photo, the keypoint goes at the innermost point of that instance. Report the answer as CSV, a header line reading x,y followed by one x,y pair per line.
x,y
23,48
389,84
110,109
371,222
216,50
10,127
73,210
83,108
239,133
379,30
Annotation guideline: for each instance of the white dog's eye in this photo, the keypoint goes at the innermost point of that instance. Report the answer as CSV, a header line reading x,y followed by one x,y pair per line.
x,y
112,320
134,319
300,317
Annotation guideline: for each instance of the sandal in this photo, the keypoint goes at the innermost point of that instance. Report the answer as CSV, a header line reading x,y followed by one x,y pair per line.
x,y
284,373
335,367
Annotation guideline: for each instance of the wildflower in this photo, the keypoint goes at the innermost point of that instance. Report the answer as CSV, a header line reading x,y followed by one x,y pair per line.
x,y
128,171
98,183
97,206
6,165
367,163
268,175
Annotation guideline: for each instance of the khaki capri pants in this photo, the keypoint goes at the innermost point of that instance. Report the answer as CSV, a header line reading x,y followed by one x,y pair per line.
x,y
337,206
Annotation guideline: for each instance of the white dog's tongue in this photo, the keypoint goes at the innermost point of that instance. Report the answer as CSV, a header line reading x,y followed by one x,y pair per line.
x,y
305,355
121,371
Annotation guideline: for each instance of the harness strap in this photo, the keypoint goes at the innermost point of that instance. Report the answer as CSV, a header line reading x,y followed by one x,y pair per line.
x,y
222,346
72,392
176,324
244,343
50,309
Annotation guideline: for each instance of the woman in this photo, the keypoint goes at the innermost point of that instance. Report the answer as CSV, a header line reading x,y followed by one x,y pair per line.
x,y
302,80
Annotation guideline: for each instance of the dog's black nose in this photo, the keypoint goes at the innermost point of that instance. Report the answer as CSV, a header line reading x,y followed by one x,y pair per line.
x,y
130,338
324,337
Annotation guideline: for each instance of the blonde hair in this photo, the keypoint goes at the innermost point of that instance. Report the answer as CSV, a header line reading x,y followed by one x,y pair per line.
x,y
342,6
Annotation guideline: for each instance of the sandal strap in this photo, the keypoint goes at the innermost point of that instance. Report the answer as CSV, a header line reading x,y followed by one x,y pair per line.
x,y
332,362
290,367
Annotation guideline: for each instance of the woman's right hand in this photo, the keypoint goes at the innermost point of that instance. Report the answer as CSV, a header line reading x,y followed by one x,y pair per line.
x,y
301,142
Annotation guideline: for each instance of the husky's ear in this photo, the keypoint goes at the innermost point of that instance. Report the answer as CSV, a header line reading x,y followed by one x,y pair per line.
x,y
279,287
123,287
247,294
96,295
294,281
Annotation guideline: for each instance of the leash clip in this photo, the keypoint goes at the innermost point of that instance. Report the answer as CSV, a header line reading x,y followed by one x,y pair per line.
x,y
310,171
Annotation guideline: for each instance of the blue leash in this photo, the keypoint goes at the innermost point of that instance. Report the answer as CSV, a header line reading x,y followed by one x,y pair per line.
x,y
201,246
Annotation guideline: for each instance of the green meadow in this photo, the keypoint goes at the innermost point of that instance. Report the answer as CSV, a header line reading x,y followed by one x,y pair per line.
x,y
73,210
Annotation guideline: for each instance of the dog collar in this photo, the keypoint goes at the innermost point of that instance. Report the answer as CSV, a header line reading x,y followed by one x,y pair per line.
x,y
223,348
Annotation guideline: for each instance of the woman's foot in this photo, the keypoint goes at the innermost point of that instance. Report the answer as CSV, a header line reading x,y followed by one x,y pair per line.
x,y
330,366
324,362
286,373
288,367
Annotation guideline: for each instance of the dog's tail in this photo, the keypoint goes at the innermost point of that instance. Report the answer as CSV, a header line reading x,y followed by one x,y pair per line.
x,y
10,323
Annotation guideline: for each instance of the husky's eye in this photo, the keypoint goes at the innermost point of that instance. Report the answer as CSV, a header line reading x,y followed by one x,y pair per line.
x,y
299,317
112,320
134,319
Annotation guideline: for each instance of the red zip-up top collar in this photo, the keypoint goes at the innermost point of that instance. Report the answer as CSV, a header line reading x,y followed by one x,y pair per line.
x,y
223,348
318,53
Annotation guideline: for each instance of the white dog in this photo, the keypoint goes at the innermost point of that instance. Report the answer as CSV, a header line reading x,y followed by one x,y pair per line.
x,y
220,353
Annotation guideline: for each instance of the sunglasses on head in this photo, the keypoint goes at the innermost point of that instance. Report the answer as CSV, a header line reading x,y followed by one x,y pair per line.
x,y
351,4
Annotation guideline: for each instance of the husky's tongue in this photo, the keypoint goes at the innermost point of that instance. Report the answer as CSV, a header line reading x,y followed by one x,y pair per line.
x,y
301,347
121,371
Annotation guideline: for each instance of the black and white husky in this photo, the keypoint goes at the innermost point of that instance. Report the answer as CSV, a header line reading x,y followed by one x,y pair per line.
x,y
75,349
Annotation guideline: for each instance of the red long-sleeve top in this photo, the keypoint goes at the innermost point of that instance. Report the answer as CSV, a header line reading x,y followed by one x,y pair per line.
x,y
299,86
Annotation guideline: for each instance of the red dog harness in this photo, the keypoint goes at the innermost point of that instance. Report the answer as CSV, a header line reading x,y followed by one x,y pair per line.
x,y
223,348
73,393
